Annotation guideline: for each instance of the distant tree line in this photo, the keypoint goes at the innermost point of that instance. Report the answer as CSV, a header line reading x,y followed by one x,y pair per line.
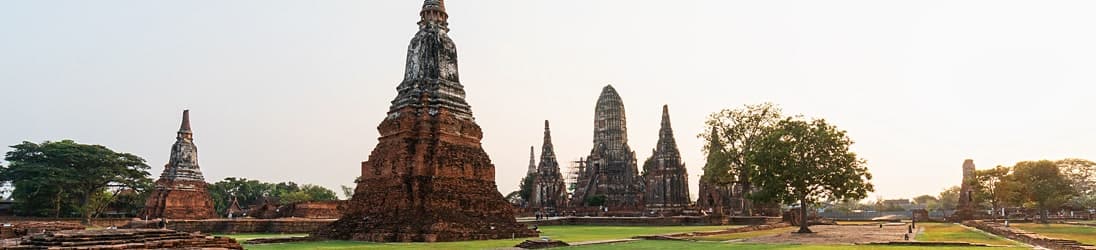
x,y
254,193
69,179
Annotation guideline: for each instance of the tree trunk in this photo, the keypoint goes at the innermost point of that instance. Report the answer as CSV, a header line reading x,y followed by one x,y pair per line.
x,y
803,221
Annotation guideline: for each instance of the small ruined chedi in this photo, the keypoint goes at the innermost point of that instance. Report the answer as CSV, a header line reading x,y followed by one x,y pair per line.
x,y
549,191
721,199
611,176
181,193
428,179
667,179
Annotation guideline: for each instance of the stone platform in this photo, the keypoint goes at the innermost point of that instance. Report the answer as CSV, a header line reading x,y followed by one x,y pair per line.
x,y
124,239
287,225
652,221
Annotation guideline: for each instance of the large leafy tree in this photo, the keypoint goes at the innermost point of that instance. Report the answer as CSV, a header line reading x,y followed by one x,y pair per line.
x,y
65,176
995,187
1042,185
1081,174
736,131
803,162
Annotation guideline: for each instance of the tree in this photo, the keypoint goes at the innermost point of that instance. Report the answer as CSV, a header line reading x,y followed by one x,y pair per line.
x,y
949,198
254,192
928,201
806,161
995,187
79,178
1081,174
1043,185
347,191
736,131
525,191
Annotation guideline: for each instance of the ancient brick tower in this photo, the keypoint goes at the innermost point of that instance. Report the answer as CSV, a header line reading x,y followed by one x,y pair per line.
x,y
428,179
667,179
549,190
965,208
181,193
717,198
611,174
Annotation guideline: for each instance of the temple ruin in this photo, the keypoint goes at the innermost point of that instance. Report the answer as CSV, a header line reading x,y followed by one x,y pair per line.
x,y
965,209
549,191
715,197
428,179
665,174
611,177
181,193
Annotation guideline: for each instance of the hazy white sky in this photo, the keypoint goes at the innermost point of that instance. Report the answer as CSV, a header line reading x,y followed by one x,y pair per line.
x,y
294,90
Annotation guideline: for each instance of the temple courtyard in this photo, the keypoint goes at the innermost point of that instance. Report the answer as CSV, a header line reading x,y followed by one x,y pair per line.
x,y
845,236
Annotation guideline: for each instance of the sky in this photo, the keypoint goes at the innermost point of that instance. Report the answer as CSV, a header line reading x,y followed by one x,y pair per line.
x,y
293,90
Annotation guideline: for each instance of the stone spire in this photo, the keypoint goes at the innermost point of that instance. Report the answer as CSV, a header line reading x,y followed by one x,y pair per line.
x,y
532,162
180,192
549,190
183,164
431,82
548,152
666,177
611,169
666,142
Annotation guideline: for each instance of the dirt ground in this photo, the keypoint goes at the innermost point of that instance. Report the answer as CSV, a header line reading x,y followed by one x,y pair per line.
x,y
842,234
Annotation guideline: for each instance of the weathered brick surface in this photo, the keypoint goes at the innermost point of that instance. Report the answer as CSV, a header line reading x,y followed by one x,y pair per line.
x,y
124,239
20,229
428,178
238,225
1028,237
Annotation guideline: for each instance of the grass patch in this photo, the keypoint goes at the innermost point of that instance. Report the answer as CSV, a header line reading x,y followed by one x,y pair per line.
x,y
569,234
656,244
954,232
1084,234
243,237
746,235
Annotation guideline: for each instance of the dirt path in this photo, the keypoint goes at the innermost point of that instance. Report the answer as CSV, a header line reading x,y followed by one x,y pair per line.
x,y
845,234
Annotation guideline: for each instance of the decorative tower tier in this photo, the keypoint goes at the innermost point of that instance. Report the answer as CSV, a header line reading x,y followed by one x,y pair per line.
x,y
428,179
181,193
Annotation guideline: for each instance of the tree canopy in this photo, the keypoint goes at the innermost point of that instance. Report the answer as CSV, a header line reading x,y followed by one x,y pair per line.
x,y
735,131
255,192
802,162
66,178
1043,185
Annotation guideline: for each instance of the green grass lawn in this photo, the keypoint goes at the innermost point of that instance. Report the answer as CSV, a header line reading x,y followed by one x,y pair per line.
x,y
657,244
1084,234
954,232
565,233
242,237
745,235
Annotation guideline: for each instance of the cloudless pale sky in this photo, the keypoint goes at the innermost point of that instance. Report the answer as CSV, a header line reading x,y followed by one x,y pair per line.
x,y
294,90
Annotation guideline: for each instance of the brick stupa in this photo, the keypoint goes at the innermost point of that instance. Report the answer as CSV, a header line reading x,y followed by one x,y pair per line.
x,y
181,193
428,179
